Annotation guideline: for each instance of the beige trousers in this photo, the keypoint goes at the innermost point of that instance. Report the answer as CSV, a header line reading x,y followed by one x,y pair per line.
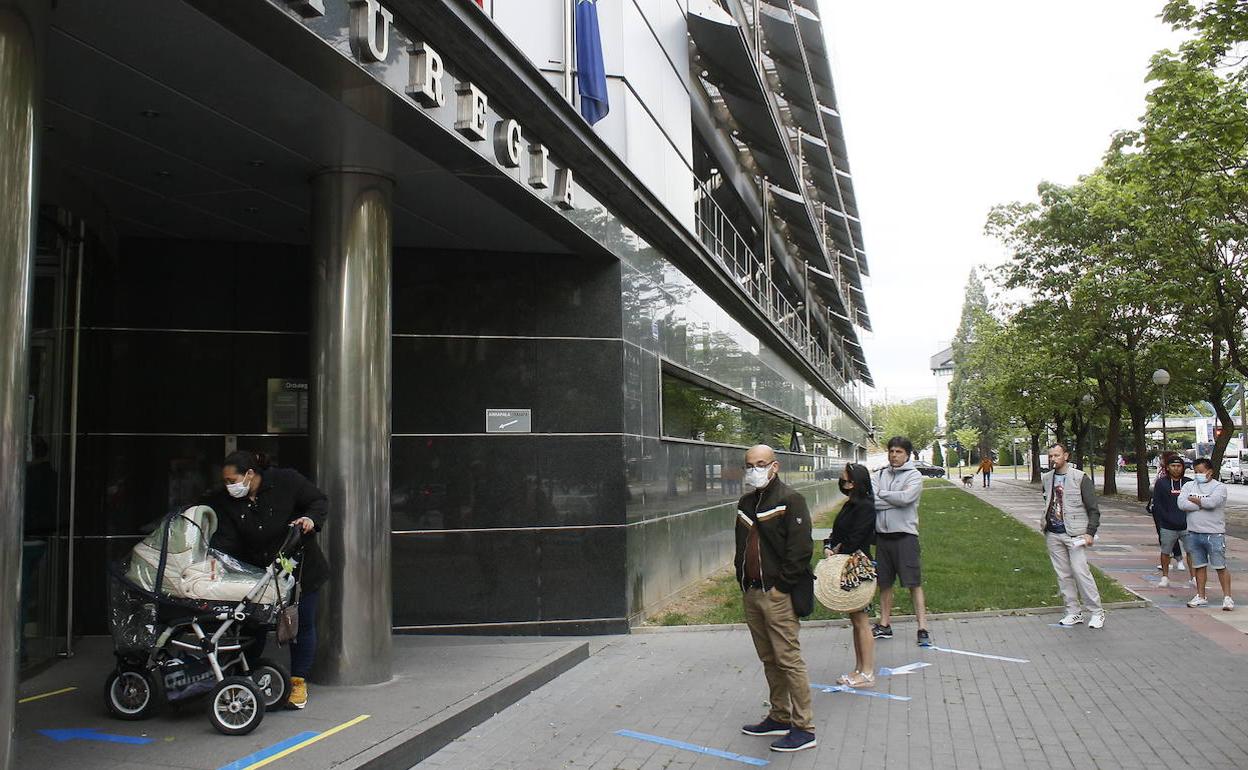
x,y
774,626
1074,576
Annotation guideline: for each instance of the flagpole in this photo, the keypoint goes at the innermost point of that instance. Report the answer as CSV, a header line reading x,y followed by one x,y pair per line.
x,y
569,47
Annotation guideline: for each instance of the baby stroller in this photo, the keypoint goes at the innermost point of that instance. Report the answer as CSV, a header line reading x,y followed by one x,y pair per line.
x,y
183,616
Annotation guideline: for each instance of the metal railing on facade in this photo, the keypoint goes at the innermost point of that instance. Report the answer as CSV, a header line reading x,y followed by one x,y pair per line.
x,y
735,256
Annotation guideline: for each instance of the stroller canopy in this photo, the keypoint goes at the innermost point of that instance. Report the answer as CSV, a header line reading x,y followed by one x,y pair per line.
x,y
193,569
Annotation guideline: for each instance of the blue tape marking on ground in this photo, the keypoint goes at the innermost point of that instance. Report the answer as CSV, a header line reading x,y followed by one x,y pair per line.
x,y
693,747
906,669
1059,625
981,655
265,753
852,691
91,734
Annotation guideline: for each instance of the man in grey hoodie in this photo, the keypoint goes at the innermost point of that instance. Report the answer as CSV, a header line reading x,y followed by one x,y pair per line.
x,y
1204,501
897,489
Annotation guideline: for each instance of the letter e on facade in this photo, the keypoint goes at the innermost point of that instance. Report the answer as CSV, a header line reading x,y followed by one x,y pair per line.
x,y
470,111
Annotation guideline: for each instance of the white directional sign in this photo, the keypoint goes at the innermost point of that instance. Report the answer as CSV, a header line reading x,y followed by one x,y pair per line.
x,y
508,420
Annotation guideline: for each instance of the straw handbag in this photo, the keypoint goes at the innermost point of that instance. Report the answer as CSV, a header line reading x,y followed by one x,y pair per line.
x,y
845,582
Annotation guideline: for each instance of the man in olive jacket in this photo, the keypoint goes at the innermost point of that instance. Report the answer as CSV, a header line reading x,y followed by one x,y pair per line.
x,y
774,548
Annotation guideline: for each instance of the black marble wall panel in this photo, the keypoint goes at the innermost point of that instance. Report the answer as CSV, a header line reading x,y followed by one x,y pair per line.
x,y
467,482
524,577
177,284
445,384
505,294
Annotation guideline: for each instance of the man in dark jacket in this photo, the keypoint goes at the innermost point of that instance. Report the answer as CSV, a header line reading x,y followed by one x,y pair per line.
x,y
1170,521
774,548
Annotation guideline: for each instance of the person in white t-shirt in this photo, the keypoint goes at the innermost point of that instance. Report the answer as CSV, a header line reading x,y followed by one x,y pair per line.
x,y
1204,500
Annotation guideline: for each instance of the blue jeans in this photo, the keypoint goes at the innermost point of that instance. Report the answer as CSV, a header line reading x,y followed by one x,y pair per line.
x,y
303,648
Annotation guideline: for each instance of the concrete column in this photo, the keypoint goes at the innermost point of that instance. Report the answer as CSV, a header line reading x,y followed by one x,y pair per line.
x,y
350,426
19,157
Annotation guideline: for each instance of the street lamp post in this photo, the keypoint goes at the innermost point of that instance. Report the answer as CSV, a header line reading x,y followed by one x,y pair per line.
x,y
1162,378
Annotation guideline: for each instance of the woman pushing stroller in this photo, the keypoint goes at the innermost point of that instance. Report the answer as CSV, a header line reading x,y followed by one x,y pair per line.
x,y
255,509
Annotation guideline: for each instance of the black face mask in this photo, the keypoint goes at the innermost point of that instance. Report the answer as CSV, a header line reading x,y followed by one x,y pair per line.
x,y
845,487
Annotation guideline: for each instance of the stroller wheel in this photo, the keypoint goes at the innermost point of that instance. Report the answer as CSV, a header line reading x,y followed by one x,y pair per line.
x,y
273,681
131,694
236,706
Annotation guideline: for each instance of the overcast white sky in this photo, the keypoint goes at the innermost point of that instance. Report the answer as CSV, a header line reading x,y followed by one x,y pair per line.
x,y
950,108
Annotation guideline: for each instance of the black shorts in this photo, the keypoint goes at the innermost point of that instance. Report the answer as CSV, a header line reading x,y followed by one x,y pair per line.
x,y
897,555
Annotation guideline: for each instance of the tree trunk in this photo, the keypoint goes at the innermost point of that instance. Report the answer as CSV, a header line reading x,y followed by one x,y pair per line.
x,y
1035,458
1059,429
1228,428
1139,423
1111,453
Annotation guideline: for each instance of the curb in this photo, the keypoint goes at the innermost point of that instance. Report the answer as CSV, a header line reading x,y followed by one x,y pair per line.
x,y
1021,611
419,742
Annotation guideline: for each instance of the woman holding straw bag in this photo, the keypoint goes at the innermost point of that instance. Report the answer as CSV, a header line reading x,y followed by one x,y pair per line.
x,y
847,582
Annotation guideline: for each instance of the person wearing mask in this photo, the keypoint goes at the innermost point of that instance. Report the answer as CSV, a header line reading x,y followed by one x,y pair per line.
x,y
774,548
852,531
897,489
1170,520
1204,500
1071,518
255,509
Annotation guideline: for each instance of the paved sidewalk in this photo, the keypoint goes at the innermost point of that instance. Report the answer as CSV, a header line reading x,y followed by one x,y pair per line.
x,y
443,686
1085,699
1126,549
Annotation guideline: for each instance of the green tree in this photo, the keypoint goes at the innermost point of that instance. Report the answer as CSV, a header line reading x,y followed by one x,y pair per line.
x,y
938,456
915,420
966,407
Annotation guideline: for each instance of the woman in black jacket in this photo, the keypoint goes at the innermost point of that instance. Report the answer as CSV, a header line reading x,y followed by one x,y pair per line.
x,y
255,510
854,530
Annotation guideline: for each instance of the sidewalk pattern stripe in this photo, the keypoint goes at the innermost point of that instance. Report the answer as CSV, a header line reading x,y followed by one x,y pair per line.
x,y
288,747
41,696
693,747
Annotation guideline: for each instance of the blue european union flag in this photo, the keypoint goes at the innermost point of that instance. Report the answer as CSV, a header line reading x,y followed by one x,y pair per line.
x,y
591,77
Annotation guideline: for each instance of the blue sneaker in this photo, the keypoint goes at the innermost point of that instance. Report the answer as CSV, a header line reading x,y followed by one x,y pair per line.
x,y
795,740
768,726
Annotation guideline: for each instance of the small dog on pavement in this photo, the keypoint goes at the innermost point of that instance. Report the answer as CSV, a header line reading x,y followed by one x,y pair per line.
x,y
966,481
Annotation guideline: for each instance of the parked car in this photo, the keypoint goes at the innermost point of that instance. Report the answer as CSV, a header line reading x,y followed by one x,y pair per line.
x,y
927,469
1228,472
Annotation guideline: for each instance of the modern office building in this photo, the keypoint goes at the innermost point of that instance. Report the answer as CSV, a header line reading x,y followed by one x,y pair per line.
x,y
377,240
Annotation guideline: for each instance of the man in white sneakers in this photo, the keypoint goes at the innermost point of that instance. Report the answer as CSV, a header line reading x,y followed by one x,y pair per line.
x,y
1204,500
1071,517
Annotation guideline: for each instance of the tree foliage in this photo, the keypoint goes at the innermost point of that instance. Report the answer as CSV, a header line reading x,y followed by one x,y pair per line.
x,y
1140,265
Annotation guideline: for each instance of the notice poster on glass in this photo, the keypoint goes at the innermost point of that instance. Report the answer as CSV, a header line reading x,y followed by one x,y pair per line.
x,y
288,405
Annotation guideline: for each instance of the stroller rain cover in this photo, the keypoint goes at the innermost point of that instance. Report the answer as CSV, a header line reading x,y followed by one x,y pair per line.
x,y
193,570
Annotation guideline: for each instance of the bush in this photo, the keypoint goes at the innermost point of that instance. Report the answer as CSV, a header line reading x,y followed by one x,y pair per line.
x,y
938,456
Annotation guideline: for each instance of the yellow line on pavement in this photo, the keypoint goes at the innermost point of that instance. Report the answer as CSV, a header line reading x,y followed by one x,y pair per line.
x,y
308,742
61,691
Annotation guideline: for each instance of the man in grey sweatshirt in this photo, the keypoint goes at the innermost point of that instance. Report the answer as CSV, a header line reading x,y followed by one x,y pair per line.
x,y
897,490
1204,500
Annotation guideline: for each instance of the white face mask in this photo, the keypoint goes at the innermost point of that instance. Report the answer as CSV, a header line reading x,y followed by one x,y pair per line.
x,y
758,477
239,488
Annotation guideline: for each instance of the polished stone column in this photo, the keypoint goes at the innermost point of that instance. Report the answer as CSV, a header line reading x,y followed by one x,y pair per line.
x,y
351,252
19,121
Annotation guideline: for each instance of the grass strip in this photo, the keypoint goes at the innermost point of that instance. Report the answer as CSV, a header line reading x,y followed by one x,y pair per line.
x,y
975,558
